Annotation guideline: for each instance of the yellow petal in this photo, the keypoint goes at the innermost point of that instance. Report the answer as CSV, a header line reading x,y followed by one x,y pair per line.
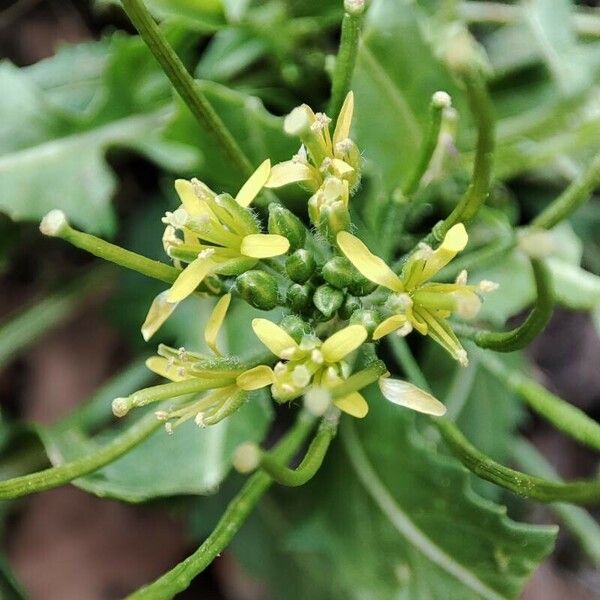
x,y
215,321
354,404
409,395
189,279
256,378
254,184
278,341
342,127
288,172
162,367
390,324
343,342
370,266
160,310
454,242
264,245
341,167
192,204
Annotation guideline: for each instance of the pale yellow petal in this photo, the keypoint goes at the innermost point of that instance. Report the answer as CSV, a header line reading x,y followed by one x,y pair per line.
x,y
370,266
343,342
160,310
409,395
192,204
277,340
162,367
255,183
215,321
354,404
189,279
390,324
342,127
288,172
256,378
264,245
454,242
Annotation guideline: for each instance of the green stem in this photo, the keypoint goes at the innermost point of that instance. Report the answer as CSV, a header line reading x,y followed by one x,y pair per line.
x,y
534,324
345,60
55,224
580,523
359,380
578,192
57,476
179,578
312,461
436,111
481,180
534,488
569,419
185,85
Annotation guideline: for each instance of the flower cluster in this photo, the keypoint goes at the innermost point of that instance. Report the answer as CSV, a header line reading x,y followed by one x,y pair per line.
x,y
337,296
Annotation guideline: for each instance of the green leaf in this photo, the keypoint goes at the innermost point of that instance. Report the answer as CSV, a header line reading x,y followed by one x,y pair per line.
x,y
259,133
396,74
389,517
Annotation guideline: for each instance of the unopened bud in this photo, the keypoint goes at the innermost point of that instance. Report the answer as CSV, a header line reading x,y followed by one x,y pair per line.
x,y
120,406
338,272
350,305
298,122
333,219
328,299
259,289
300,266
296,327
368,318
298,297
246,457
286,223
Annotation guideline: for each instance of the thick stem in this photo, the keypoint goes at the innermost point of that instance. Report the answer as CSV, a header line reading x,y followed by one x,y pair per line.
x,y
57,476
534,324
179,578
578,192
569,419
346,59
359,380
312,461
185,85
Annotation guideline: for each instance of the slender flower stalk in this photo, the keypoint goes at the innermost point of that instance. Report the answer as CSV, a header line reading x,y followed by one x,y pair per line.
x,y
346,57
572,198
179,578
185,85
521,336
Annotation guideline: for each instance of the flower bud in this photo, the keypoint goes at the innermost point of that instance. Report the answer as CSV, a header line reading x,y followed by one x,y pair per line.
x,y
334,218
339,272
368,318
295,326
361,286
259,289
350,305
231,212
328,299
286,223
300,266
298,297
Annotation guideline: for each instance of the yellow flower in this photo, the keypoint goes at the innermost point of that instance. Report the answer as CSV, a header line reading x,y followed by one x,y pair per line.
x,y
312,363
217,234
417,303
326,165
232,381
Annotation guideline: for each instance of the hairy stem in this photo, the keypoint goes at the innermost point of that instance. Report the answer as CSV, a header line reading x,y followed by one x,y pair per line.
x,y
534,324
578,192
185,85
569,419
179,578
346,59
312,461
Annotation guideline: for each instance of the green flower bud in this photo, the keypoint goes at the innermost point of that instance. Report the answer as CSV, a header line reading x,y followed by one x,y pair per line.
x,y
334,218
361,286
233,214
298,297
259,289
328,299
339,272
350,305
300,266
295,326
368,318
286,223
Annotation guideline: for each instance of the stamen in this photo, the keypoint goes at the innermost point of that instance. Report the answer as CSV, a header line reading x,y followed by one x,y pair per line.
x,y
301,376
461,278
486,286
317,356
461,357
405,329
317,400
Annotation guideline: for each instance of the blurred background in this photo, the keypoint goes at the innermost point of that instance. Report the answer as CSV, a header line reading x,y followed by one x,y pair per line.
x,y
73,79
